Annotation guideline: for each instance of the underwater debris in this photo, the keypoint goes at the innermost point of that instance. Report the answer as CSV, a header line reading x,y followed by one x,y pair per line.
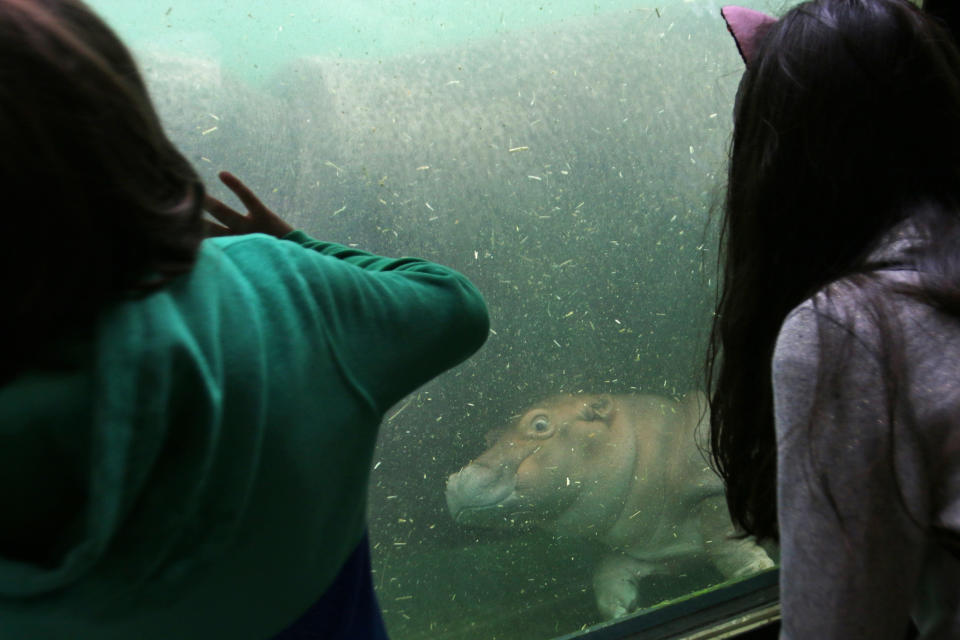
x,y
400,410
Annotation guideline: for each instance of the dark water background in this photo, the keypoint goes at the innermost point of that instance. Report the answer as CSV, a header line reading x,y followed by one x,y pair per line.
x,y
566,166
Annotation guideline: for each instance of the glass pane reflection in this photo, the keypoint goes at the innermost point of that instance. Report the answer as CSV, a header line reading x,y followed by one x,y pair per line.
x,y
565,158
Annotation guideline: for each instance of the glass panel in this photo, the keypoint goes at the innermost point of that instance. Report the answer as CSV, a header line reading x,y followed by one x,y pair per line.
x,y
563,155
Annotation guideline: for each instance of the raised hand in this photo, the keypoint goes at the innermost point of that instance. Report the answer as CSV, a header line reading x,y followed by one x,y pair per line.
x,y
259,219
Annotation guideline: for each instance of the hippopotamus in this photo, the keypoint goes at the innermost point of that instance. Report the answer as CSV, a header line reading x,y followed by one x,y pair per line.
x,y
621,469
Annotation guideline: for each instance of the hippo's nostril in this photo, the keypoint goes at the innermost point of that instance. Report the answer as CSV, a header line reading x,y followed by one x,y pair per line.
x,y
476,477
478,486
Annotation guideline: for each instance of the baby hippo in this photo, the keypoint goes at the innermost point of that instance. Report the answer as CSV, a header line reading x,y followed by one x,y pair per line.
x,y
621,469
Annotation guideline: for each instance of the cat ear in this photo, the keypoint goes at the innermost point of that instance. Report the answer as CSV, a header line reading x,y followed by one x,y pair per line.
x,y
747,27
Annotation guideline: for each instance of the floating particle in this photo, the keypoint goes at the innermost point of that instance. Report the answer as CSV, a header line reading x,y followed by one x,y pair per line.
x,y
400,410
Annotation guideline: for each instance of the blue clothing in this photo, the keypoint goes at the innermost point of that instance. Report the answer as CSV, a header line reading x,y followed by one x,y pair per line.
x,y
348,610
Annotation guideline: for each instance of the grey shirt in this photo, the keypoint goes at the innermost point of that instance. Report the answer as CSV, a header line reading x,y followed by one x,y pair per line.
x,y
868,505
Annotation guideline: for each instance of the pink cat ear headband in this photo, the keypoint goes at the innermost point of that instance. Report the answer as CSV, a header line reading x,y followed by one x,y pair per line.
x,y
747,27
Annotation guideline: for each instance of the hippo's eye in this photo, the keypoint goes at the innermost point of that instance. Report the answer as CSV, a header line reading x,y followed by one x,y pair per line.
x,y
540,424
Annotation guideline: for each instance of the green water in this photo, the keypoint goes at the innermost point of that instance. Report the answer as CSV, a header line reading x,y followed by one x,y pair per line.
x,y
563,155
254,38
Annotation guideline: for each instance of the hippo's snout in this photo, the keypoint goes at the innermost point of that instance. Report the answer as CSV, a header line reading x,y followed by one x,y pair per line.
x,y
477,491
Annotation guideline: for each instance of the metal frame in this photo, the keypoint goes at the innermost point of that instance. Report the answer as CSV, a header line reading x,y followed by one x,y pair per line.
x,y
727,612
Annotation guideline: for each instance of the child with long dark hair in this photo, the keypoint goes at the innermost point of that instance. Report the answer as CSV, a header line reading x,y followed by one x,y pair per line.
x,y
834,366
186,425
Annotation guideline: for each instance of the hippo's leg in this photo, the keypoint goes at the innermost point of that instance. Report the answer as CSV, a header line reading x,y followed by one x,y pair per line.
x,y
616,583
733,557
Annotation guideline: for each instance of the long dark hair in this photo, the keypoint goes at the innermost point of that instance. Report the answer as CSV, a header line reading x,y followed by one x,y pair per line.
x,y
846,123
96,202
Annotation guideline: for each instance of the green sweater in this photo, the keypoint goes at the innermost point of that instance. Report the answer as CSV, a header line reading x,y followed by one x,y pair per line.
x,y
198,469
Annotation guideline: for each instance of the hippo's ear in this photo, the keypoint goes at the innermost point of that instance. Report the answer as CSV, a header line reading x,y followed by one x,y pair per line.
x,y
598,408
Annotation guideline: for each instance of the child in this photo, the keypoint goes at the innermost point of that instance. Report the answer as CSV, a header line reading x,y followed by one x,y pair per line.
x,y
186,426
841,238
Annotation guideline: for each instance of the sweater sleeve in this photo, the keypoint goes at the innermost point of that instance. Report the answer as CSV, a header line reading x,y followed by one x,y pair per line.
x,y
393,324
851,554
